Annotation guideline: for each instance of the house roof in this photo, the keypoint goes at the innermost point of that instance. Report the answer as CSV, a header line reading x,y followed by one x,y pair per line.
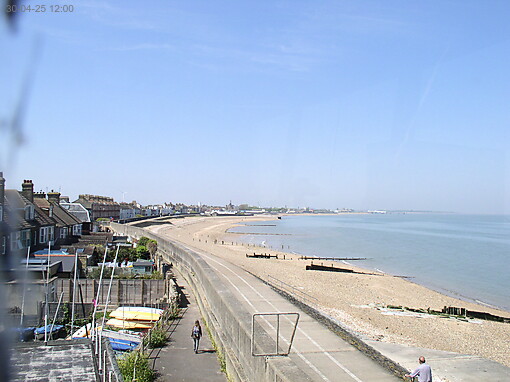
x,y
60,215
77,210
67,261
34,360
125,206
84,202
65,216
140,262
15,217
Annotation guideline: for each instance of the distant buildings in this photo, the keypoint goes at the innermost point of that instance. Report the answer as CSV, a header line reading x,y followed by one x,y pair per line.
x,y
99,207
128,211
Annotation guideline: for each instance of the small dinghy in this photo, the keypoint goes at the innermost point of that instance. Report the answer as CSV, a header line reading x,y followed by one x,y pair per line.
x,y
52,332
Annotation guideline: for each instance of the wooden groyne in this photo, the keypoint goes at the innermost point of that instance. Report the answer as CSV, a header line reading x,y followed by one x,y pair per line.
x,y
452,310
262,256
332,258
315,267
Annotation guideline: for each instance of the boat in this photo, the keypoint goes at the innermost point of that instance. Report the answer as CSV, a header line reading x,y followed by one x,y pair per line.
x,y
139,309
135,315
24,334
84,331
126,324
121,341
123,345
53,332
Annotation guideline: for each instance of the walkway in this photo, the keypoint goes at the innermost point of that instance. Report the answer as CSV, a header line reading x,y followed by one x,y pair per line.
x,y
324,357
177,361
318,354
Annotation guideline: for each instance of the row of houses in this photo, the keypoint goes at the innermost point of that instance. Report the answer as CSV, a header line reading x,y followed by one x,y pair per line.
x,y
105,207
34,220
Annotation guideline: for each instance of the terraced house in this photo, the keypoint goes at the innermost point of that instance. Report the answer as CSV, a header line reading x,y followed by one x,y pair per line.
x,y
32,221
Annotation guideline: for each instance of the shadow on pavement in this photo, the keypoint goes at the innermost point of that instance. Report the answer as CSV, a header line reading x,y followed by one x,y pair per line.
x,y
207,351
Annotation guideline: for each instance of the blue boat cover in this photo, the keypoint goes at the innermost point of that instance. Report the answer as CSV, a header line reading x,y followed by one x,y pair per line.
x,y
123,345
47,329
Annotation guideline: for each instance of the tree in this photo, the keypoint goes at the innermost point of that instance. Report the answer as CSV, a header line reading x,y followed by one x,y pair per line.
x,y
127,253
142,252
143,241
152,247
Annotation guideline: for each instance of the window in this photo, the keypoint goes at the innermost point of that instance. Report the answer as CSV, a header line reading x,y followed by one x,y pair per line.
x,y
43,234
29,212
63,232
3,243
51,235
16,241
77,229
1,213
25,238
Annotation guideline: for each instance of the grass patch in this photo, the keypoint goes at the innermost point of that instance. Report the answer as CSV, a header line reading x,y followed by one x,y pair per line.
x,y
221,356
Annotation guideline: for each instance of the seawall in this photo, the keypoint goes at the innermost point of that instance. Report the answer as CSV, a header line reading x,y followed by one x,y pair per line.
x,y
225,316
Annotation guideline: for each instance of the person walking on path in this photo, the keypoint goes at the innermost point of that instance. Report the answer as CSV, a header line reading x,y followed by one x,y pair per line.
x,y
196,333
424,372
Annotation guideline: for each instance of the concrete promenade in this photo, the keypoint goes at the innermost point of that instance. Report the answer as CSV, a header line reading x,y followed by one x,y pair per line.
x,y
325,357
446,366
319,354
177,361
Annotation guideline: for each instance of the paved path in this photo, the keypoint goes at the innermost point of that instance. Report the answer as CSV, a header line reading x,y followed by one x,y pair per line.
x,y
317,352
447,366
177,361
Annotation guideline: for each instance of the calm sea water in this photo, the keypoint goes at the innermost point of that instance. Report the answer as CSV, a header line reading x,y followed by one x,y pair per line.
x,y
466,256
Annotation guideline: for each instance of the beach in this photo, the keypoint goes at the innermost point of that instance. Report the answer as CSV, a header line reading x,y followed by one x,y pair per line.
x,y
356,301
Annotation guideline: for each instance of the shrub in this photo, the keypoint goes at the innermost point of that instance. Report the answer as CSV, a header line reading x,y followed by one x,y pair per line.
x,y
157,338
135,366
156,275
127,253
143,241
95,273
174,311
142,252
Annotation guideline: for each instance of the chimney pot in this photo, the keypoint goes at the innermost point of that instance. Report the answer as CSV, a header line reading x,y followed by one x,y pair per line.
x,y
27,190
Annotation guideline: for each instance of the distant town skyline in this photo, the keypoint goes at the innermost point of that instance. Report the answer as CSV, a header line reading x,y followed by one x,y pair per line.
x,y
363,105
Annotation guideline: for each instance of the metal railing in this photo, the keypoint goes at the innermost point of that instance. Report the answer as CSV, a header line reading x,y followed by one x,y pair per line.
x,y
293,291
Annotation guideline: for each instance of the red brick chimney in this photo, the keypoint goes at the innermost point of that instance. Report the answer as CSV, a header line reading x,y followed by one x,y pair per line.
x,y
27,190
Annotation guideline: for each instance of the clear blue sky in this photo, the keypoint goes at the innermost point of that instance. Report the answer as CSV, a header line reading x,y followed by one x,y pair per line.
x,y
359,104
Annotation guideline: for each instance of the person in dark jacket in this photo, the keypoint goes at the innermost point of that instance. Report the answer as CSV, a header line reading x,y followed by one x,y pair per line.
x,y
196,334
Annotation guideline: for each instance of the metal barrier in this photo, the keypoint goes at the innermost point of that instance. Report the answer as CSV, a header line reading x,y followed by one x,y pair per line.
x,y
292,290
106,361
277,330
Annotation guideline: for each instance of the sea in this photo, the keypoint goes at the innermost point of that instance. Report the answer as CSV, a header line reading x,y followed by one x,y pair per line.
x,y
465,256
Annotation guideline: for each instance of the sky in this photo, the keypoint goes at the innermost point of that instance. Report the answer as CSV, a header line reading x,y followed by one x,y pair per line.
x,y
391,105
